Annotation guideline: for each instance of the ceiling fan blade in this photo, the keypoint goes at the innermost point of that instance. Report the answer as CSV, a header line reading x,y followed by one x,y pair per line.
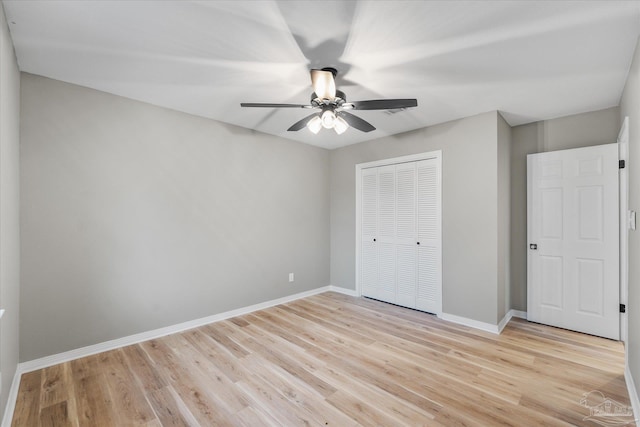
x,y
300,124
324,84
385,104
254,104
357,122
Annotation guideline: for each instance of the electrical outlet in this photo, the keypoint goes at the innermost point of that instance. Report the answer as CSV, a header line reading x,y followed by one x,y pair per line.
x,y
290,277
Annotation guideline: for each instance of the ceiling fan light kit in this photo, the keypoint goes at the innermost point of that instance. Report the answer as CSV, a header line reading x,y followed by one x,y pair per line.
x,y
333,105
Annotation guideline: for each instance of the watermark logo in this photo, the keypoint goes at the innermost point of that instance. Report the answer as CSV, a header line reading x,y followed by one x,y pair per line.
x,y
605,411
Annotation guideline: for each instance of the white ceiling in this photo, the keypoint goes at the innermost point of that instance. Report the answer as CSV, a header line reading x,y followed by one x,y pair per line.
x,y
530,60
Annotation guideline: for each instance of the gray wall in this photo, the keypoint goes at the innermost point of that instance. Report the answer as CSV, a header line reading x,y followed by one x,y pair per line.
x,y
504,216
581,130
630,106
9,209
136,217
469,208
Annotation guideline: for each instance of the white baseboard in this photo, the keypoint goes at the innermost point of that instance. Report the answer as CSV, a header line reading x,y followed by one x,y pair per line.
x,y
470,322
631,389
350,292
519,314
11,400
66,356
488,327
507,318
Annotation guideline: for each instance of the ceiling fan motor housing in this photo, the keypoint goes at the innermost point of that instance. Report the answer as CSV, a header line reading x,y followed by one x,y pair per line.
x,y
339,99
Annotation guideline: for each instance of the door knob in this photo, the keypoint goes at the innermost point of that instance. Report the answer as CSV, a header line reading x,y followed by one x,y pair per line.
x,y
533,246
374,240
418,243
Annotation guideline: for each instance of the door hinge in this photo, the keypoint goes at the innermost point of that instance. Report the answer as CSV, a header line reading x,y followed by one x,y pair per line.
x,y
621,164
623,308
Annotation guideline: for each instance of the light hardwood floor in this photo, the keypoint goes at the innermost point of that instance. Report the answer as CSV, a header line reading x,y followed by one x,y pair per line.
x,y
332,360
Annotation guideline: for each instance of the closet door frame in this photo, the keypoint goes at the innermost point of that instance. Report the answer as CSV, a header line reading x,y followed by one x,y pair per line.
x,y
437,155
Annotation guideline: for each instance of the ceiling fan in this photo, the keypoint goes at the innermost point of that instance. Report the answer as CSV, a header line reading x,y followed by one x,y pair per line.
x,y
333,106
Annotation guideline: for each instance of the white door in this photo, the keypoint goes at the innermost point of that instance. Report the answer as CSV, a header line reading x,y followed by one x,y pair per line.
x,y
429,292
405,239
369,231
386,234
573,259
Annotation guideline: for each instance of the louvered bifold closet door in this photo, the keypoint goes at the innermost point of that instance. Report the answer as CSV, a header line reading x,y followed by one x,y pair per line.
x,y
369,231
400,234
386,239
429,283
406,245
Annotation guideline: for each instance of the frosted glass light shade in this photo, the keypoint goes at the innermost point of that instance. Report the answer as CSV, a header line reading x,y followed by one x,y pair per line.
x,y
328,119
340,125
315,124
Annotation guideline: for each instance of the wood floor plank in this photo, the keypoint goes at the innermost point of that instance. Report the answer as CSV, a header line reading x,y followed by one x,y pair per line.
x,y
209,375
27,411
166,407
298,393
386,402
56,415
363,412
93,398
229,365
332,360
86,366
54,388
217,332
133,408
290,365
276,332
195,394
253,416
143,369
267,397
